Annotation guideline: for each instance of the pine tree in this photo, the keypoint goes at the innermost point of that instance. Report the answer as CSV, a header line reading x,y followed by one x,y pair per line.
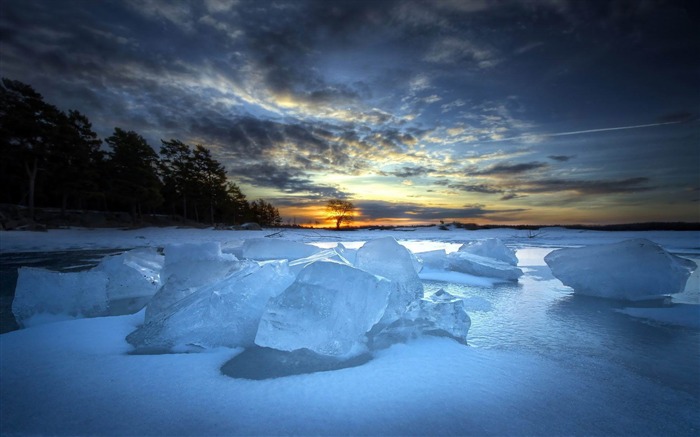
x,y
28,128
133,172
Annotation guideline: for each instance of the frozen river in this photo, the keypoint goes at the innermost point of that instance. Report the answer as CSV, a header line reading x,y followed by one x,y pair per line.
x,y
540,361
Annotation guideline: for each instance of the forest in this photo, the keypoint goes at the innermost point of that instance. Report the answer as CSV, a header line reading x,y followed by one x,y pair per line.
x,y
53,159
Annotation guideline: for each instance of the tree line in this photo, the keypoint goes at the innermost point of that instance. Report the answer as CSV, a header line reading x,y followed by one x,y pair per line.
x,y
50,158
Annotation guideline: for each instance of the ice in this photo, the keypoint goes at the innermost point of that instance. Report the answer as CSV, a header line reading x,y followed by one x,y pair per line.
x,y
635,269
42,295
273,248
133,278
387,258
337,255
434,259
441,314
119,284
485,258
347,253
187,267
472,264
541,362
679,314
491,248
328,310
224,313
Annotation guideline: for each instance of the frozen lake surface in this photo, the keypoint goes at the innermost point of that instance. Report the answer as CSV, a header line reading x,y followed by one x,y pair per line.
x,y
540,360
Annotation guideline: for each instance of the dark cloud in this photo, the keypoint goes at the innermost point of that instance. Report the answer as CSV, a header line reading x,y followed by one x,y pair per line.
x,y
409,172
588,187
511,169
378,210
285,179
561,158
476,188
678,117
514,189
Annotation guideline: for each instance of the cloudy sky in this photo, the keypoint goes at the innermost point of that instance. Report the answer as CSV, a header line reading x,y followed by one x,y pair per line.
x,y
487,111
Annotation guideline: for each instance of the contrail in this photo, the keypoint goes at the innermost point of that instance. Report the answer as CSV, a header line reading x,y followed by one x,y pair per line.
x,y
588,131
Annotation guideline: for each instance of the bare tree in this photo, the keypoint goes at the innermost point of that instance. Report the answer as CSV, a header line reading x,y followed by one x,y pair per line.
x,y
342,211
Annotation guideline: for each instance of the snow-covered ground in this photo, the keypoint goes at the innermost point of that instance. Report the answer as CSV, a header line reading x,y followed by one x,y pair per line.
x,y
540,360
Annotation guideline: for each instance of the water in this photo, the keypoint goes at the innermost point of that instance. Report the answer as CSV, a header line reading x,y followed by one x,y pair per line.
x,y
540,315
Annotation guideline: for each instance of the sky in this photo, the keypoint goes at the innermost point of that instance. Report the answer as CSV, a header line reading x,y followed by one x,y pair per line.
x,y
503,111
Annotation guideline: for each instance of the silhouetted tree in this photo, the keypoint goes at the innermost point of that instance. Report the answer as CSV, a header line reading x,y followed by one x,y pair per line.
x,y
133,171
177,170
236,206
75,159
340,211
265,214
28,127
52,158
210,179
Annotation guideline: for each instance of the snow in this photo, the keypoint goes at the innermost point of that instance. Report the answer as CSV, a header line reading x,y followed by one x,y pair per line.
x,y
76,378
539,359
633,270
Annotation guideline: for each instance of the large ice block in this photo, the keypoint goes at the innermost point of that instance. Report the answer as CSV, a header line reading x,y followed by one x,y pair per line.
x,y
188,267
335,254
385,257
43,295
272,248
132,274
465,262
440,314
635,269
328,310
224,313
491,248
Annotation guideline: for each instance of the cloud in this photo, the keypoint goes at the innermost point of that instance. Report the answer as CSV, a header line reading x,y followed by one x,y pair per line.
x,y
285,179
561,158
512,189
452,50
511,169
379,210
409,172
587,187
476,188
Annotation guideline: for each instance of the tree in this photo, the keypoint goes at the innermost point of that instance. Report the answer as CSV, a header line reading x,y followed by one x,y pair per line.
x,y
75,159
133,171
264,213
236,206
210,179
341,211
177,171
28,129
